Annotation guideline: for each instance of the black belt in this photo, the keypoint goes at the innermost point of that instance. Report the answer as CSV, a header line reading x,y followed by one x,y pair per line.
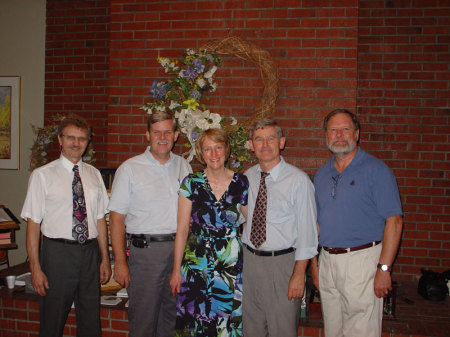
x,y
270,252
71,242
142,240
352,249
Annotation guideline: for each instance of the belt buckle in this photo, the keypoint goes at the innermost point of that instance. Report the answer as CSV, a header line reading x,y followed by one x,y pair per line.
x,y
139,241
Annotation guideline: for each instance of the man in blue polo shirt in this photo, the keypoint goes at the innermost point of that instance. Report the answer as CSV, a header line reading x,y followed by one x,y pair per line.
x,y
359,218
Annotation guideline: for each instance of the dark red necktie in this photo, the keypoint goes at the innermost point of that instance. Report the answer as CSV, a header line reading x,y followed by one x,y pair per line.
x,y
258,234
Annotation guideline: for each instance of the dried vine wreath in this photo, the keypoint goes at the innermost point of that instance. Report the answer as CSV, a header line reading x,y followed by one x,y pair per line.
x,y
45,137
233,45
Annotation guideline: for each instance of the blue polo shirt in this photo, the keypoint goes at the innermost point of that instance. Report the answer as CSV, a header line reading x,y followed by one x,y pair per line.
x,y
352,206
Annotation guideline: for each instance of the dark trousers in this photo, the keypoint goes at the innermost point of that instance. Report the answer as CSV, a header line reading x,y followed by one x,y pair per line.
x,y
73,275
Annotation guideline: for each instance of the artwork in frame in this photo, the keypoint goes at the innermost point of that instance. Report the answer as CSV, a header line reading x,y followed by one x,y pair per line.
x,y
9,122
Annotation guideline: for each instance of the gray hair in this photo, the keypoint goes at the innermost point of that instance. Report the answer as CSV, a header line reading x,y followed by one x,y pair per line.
x,y
159,116
262,124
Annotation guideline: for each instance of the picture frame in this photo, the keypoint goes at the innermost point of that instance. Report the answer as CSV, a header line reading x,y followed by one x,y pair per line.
x,y
9,122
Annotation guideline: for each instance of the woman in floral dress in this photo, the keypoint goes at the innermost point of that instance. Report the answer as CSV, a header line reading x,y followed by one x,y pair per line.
x,y
207,272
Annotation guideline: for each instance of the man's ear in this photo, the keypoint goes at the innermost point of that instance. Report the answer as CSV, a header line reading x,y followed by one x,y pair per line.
x,y
282,143
250,143
147,135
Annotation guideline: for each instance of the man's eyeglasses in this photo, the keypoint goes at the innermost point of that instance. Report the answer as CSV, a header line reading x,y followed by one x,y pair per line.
x,y
335,184
73,138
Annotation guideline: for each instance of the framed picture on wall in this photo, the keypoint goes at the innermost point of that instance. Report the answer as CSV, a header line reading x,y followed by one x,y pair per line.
x,y
9,122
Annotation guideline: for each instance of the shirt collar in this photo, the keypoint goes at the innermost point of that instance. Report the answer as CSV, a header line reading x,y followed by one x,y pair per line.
x,y
154,161
358,156
276,170
68,165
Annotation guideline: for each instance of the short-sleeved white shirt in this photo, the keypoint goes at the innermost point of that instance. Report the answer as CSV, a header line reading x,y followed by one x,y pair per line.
x,y
49,198
146,191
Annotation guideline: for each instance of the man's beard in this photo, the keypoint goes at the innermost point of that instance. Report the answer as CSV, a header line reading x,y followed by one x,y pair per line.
x,y
342,150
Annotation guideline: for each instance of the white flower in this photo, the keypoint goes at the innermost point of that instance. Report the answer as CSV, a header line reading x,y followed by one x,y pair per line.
x,y
212,121
201,82
210,72
164,61
173,105
190,51
147,109
247,145
160,108
233,120
213,87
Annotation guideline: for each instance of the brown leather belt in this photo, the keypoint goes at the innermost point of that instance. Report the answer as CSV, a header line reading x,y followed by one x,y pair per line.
x,y
352,249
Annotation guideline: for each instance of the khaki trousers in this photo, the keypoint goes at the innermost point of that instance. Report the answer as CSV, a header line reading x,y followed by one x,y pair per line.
x,y
349,304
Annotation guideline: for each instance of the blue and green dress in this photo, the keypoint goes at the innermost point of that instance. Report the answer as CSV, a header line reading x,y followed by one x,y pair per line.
x,y
210,298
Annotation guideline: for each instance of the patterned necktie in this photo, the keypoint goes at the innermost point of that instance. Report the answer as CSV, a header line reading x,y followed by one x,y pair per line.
x,y
79,220
258,234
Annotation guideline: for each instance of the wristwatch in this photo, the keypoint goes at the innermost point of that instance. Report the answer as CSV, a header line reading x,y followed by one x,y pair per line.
x,y
383,267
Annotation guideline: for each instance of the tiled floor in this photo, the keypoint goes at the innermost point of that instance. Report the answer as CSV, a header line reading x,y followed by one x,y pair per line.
x,y
414,317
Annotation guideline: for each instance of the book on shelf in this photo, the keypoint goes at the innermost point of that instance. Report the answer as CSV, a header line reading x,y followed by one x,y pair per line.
x,y
5,241
5,235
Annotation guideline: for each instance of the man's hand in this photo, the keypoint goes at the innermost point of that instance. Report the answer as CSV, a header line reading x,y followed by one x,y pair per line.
x,y
122,274
39,282
105,271
382,283
296,286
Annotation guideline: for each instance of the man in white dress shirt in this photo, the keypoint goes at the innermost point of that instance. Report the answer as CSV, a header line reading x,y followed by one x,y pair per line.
x,y
274,272
144,214
68,270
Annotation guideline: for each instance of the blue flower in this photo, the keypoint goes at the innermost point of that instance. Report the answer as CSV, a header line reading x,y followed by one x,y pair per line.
x,y
235,164
195,94
189,73
198,65
194,135
158,90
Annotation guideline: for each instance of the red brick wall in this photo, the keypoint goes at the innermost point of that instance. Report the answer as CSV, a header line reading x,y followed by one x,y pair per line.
x,y
403,101
77,64
386,62
20,318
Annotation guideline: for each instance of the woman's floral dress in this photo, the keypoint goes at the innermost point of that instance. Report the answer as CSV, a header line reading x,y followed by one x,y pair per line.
x,y
210,298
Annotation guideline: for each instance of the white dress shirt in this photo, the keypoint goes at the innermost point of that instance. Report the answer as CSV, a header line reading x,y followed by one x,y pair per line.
x,y
49,198
146,191
291,210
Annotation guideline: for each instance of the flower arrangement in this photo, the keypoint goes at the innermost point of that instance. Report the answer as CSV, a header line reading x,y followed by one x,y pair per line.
x,y
45,136
192,81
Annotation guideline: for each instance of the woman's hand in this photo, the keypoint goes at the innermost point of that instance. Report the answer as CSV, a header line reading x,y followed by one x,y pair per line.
x,y
175,282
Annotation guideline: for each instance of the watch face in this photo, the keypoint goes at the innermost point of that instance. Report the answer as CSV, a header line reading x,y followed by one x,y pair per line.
x,y
384,267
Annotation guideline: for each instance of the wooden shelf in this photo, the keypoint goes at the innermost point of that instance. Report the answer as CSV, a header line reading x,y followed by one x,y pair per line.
x,y
11,224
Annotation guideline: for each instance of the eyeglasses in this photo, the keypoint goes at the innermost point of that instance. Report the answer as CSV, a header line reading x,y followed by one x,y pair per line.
x,y
335,184
73,138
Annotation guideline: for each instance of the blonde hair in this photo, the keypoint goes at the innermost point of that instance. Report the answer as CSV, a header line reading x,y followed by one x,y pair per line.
x,y
217,136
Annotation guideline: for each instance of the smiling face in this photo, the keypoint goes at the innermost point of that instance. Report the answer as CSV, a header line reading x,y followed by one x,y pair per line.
x,y
214,154
267,146
73,141
161,137
342,137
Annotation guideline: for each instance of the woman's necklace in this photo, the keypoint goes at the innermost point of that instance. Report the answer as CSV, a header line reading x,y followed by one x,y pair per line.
x,y
214,184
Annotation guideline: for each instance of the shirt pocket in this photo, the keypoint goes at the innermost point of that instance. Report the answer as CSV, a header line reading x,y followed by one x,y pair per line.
x,y
279,211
